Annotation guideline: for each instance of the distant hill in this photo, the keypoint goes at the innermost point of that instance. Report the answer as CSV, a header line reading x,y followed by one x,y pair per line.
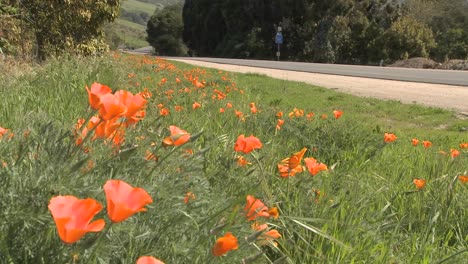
x,y
129,30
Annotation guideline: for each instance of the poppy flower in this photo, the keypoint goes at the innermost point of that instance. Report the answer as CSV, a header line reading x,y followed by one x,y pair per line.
x,y
123,200
463,145
242,161
292,165
148,260
314,167
273,212
389,137
337,114
454,153
73,217
164,112
279,124
111,107
94,94
248,144
415,141
279,114
225,244
463,179
239,114
427,144
267,235
134,104
310,115
228,105
255,208
189,196
221,110
253,108
3,131
196,105
419,183
178,137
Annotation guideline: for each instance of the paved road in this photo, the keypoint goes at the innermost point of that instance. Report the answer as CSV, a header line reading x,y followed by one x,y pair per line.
x,y
449,77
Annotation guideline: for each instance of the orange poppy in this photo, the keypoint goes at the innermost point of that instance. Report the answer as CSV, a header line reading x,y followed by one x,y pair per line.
x,y
337,114
389,137
196,105
123,200
415,141
268,234
225,244
164,112
253,108
111,107
273,212
310,115
464,145
279,124
242,161
3,131
239,114
72,217
248,144
221,110
189,196
419,183
324,116
463,179
314,167
292,165
178,137
150,156
148,260
427,144
255,208
454,153
94,94
134,104
279,114
228,105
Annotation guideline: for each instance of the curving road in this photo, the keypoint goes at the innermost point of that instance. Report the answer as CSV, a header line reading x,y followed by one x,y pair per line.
x,y
448,77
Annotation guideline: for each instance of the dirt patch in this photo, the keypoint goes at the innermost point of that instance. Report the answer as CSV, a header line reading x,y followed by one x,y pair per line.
x,y
425,63
418,63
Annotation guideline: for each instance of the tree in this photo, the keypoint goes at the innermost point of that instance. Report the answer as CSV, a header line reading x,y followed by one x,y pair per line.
x,y
408,37
69,25
165,29
448,20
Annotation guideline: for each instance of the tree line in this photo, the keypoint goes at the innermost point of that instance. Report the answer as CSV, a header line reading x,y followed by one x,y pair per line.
x,y
333,31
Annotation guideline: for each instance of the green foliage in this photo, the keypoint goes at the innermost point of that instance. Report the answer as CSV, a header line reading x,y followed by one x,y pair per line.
x,y
75,25
164,31
408,36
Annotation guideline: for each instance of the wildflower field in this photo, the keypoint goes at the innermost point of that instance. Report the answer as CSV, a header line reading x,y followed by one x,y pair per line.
x,y
133,159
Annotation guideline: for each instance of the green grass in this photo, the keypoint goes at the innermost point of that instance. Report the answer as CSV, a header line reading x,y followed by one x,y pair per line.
x,y
136,6
368,210
132,34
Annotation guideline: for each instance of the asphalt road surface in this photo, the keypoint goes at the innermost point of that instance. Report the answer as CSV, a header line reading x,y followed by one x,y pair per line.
x,y
448,77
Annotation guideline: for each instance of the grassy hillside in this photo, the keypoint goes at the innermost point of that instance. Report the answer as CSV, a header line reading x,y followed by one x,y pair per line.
x,y
136,6
129,30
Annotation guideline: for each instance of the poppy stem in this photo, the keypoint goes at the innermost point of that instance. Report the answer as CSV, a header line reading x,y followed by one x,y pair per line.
x,y
98,242
263,179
